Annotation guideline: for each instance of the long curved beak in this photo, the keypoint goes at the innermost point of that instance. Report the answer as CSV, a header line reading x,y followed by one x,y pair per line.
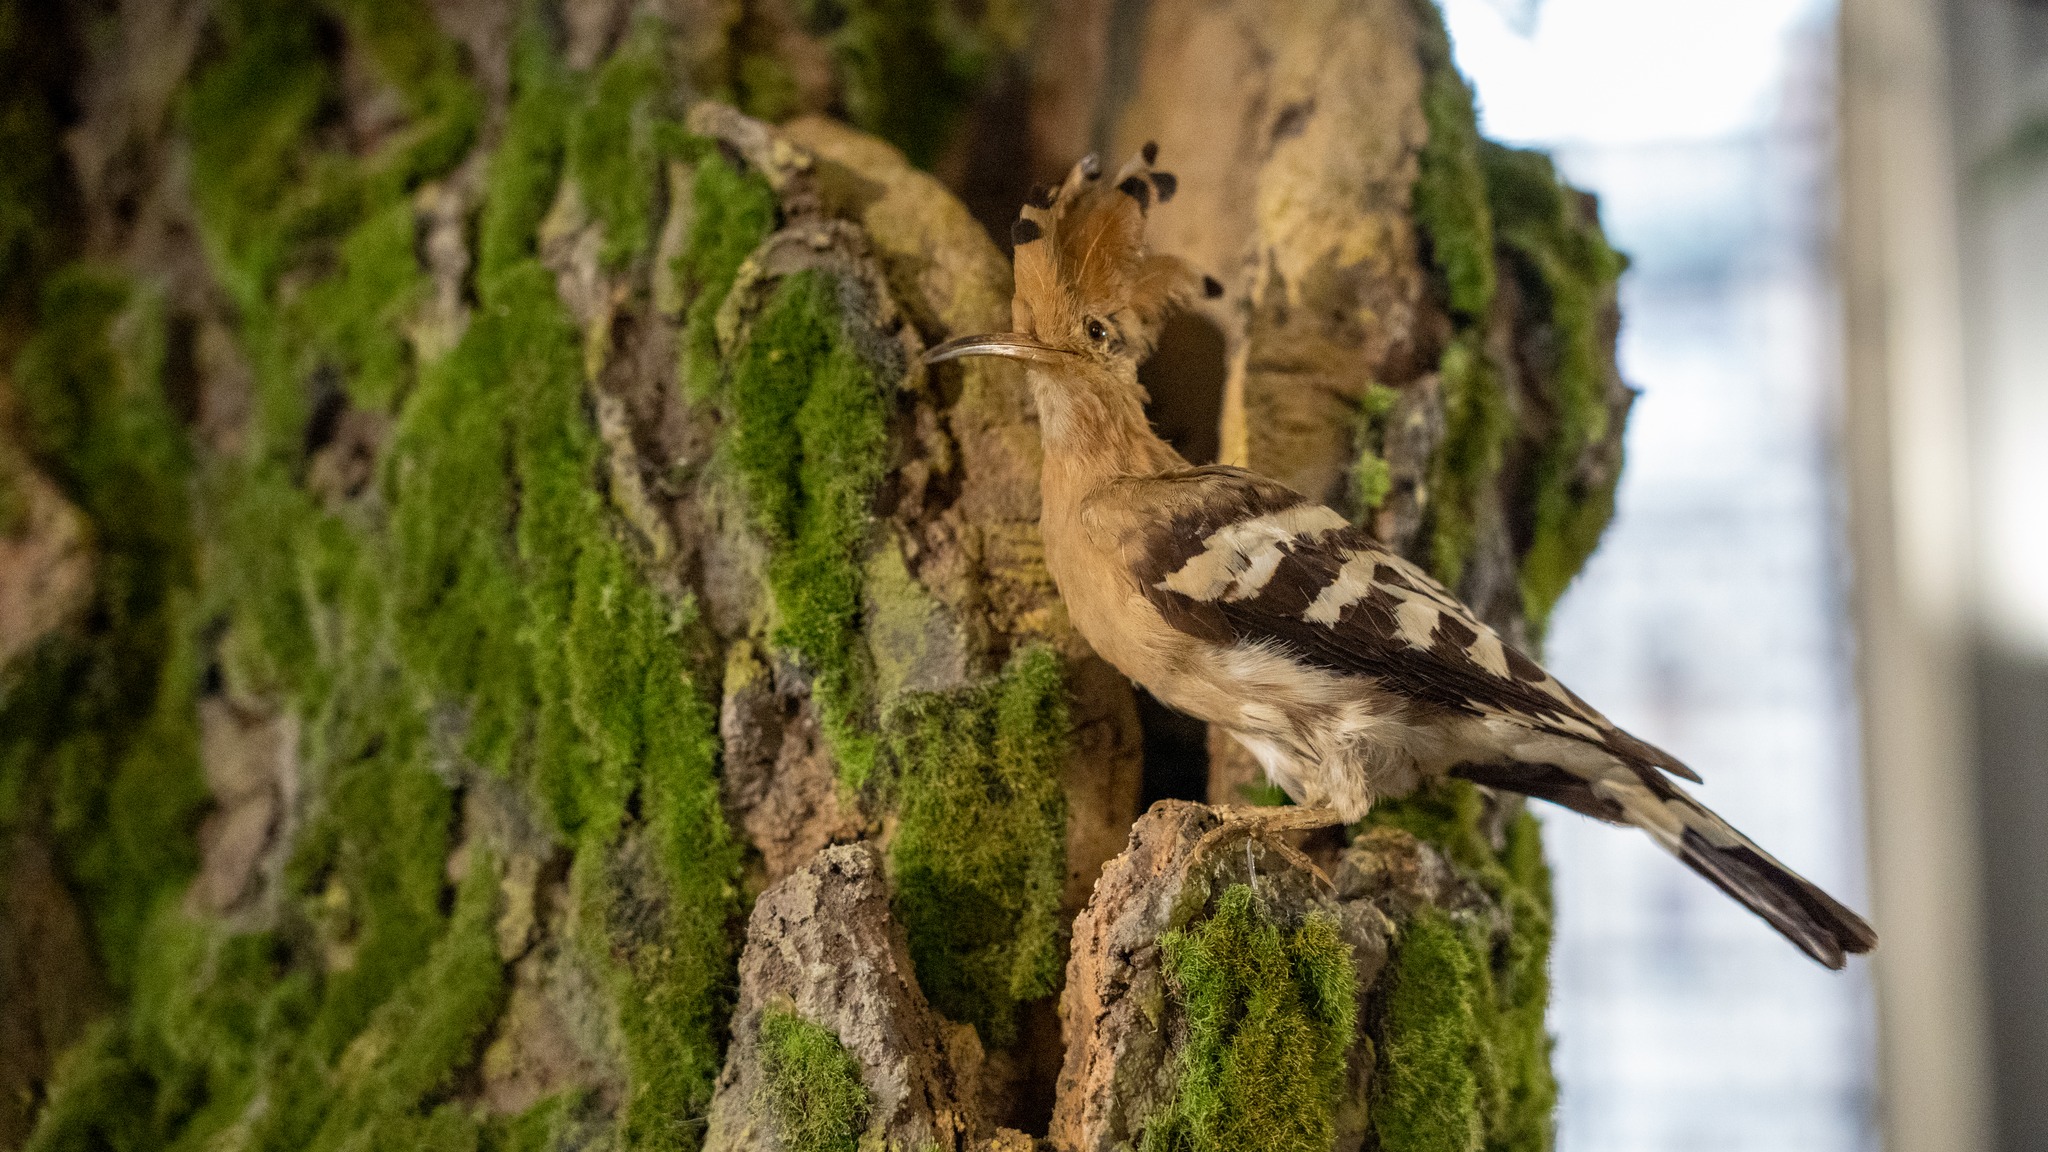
x,y
1014,345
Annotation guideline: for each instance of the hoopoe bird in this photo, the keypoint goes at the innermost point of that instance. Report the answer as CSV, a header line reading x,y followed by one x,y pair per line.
x,y
1346,670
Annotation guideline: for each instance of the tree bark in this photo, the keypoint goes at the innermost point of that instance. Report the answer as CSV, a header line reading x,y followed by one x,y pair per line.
x,y
506,645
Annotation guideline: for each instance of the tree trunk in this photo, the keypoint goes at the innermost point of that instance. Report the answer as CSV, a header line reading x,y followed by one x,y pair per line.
x,y
506,645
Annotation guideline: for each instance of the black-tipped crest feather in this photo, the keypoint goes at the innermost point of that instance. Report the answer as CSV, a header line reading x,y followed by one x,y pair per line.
x,y
1094,264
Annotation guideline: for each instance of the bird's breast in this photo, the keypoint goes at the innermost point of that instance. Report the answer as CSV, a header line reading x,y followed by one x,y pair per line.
x,y
1241,687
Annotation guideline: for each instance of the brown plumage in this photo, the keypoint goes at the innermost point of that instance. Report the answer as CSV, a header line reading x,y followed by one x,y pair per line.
x,y
1081,255
1347,671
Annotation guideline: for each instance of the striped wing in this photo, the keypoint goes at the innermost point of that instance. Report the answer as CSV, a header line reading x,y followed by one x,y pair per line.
x,y
1244,559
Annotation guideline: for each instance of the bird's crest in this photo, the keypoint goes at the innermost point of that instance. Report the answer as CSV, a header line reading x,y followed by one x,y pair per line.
x,y
1081,256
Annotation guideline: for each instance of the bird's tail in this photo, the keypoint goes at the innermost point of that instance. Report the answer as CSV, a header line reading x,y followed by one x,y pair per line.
x,y
1709,845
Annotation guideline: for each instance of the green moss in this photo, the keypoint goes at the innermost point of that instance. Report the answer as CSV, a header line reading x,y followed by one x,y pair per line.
x,y
1446,814
733,212
1450,187
201,1031
1371,478
417,1038
1271,1013
1569,273
387,984
261,191
618,138
814,1090
444,108
222,1022
89,1091
1371,481
618,714
500,578
979,857
371,865
914,108
255,515
247,115
1528,1096
567,1120
482,590
1452,209
455,583
587,690
1465,1060
1476,428
275,192
1426,1091
806,433
97,421
127,792
528,612
359,317
1263,794
527,166
97,738
1475,200
671,954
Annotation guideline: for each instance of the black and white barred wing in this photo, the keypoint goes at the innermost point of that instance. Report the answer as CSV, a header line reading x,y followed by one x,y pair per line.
x,y
1239,559
1246,560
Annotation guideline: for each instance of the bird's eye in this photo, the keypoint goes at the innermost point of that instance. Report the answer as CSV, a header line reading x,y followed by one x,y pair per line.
x,y
1097,332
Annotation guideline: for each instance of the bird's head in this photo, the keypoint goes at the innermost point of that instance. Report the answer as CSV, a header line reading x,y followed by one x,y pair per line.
x,y
1089,297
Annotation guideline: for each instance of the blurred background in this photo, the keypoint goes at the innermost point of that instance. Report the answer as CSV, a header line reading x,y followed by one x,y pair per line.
x,y
1825,582
1714,617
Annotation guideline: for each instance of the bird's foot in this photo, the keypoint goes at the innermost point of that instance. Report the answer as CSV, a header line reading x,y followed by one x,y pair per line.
x,y
1270,825
1282,818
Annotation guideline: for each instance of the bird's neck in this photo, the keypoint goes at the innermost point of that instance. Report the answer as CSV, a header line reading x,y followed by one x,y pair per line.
x,y
1095,430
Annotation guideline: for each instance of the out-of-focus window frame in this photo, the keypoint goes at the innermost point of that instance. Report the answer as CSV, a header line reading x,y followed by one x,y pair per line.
x,y
1907,448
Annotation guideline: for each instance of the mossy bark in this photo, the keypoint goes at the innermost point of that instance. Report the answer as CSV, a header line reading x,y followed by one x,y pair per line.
x,y
474,521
